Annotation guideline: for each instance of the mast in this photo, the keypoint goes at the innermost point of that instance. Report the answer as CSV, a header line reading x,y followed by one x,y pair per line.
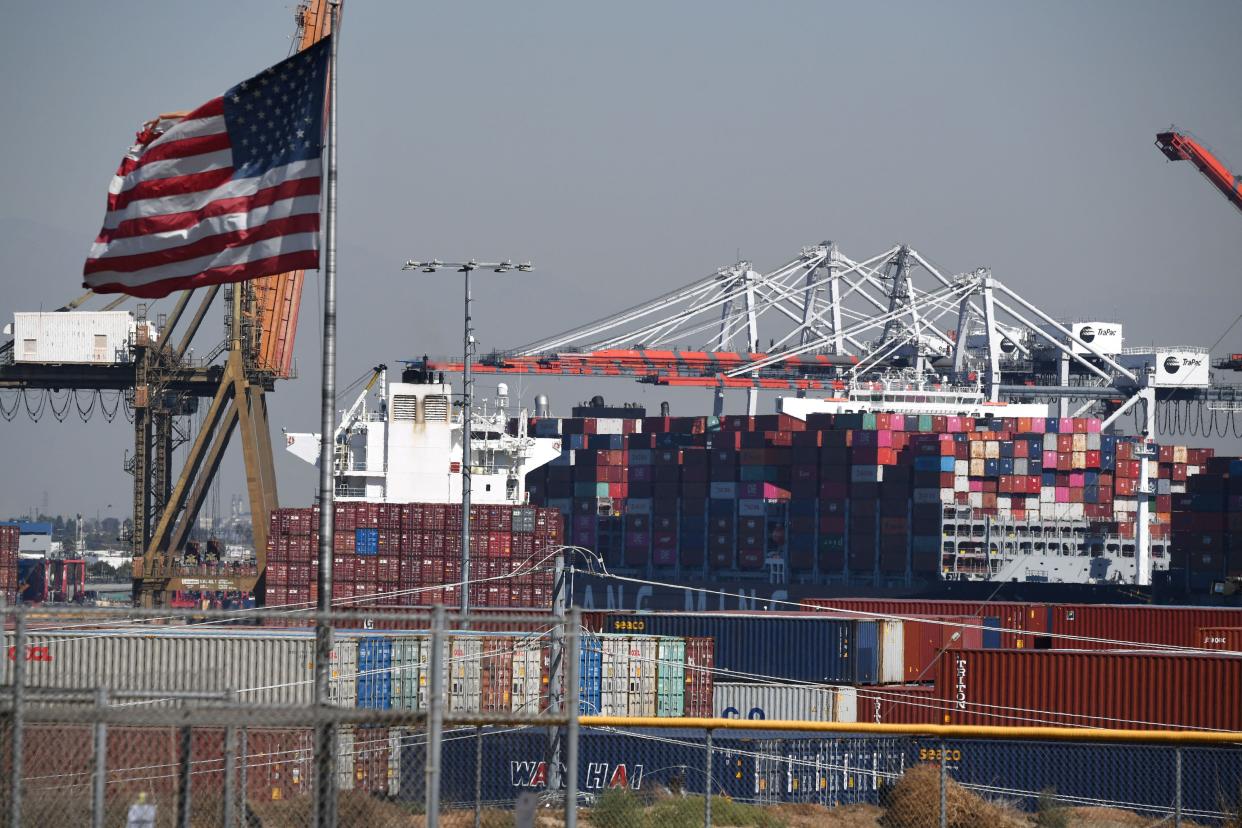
x,y
325,777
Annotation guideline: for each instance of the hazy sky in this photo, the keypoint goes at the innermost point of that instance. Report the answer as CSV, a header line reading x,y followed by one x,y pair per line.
x,y
629,148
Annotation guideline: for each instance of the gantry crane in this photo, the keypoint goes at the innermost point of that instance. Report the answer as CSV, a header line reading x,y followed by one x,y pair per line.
x,y
1182,146
164,382
832,323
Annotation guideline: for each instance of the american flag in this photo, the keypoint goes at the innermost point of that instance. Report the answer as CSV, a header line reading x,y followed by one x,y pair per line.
x,y
225,193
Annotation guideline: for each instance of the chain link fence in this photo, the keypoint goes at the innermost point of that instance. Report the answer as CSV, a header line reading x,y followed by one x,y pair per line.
x,y
666,777
207,718
151,719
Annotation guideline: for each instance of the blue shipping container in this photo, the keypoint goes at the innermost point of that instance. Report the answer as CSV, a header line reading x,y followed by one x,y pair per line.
x,y
366,541
590,675
375,672
749,646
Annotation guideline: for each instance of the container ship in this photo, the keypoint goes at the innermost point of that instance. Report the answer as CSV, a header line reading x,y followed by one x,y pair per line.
x,y
878,492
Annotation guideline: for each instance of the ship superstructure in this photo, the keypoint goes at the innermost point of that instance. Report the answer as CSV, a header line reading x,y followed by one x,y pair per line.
x,y
401,442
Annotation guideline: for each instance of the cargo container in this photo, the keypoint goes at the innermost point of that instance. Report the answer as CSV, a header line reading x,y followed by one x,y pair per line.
x,y
767,646
1090,688
10,539
1117,626
1019,625
1061,626
794,702
896,704
264,667
927,637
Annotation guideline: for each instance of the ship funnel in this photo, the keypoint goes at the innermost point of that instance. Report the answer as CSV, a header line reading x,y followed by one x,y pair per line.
x,y
664,409
542,407
502,394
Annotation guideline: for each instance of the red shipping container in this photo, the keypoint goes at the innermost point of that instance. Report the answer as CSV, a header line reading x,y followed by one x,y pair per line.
x,y
1022,625
1121,626
1126,690
700,669
898,704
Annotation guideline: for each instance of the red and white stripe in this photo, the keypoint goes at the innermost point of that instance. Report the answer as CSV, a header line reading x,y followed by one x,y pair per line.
x,y
178,219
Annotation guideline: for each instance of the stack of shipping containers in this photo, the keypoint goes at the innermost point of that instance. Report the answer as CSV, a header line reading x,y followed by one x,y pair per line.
x,y
1207,526
408,554
881,498
10,536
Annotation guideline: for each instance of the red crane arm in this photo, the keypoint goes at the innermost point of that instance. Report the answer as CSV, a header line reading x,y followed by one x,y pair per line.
x,y
1178,146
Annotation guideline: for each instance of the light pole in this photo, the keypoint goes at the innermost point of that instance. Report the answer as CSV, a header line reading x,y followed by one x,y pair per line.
x,y
467,393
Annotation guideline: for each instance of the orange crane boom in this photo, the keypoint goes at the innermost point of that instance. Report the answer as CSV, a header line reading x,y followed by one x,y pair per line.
x,y
279,297
1180,146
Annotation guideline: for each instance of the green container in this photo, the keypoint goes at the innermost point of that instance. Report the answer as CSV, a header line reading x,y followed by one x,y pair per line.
x,y
590,489
868,421
410,655
925,422
671,677
843,421
753,473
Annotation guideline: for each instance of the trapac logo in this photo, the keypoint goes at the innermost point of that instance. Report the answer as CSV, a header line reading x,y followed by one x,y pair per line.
x,y
1089,334
959,686
1173,364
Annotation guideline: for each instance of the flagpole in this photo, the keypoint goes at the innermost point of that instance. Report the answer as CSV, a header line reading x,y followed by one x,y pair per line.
x,y
325,752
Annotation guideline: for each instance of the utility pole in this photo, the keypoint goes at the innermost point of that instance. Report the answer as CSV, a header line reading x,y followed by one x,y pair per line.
x,y
467,393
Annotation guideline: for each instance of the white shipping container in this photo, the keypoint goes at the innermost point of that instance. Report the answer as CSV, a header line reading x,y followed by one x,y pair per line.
x,y
528,675
88,337
465,681
791,702
609,425
846,704
263,667
892,651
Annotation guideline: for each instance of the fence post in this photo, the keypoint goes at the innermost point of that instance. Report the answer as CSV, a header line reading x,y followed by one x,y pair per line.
x,y
19,700
435,716
944,783
100,780
573,625
183,784
478,776
230,768
243,774
707,783
1177,787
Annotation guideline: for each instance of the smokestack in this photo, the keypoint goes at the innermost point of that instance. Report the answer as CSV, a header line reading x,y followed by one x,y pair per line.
x,y
664,409
542,408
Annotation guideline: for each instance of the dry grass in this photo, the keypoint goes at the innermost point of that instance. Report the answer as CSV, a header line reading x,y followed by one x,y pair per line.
x,y
914,802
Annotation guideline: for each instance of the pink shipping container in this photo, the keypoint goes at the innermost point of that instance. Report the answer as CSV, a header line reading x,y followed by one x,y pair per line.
x,y
1126,690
